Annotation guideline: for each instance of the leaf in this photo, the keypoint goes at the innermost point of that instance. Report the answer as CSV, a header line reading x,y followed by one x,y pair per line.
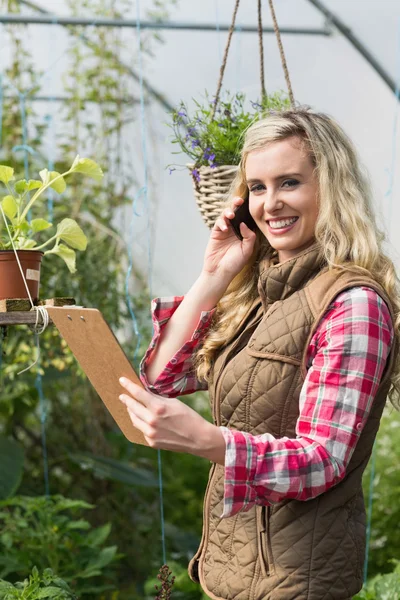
x,y
27,186
40,225
25,243
88,167
70,232
10,206
102,560
47,176
67,254
98,536
81,524
24,227
59,186
11,466
6,174
109,468
50,592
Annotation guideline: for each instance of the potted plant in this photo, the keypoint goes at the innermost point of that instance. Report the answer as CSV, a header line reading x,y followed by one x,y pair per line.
x,y
24,236
212,137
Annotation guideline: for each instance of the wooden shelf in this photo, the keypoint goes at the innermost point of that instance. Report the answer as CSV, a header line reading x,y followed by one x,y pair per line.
x,y
17,311
19,318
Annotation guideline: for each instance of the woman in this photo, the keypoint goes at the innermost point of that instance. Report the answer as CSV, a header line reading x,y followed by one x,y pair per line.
x,y
294,330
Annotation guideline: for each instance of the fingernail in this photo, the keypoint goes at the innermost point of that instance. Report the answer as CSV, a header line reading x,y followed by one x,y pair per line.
x,y
122,380
122,399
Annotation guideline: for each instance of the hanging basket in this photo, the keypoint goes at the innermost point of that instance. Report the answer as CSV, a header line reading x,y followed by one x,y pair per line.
x,y
212,189
11,281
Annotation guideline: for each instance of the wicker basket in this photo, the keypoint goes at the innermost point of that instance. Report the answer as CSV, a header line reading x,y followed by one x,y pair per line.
x,y
212,190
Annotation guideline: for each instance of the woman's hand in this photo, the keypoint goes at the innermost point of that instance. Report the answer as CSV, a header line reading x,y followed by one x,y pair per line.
x,y
168,424
225,253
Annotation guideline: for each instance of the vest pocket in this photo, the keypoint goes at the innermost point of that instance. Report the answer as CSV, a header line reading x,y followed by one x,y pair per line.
x,y
265,557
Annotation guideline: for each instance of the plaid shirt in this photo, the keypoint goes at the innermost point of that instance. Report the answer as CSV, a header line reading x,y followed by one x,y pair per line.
x,y
345,361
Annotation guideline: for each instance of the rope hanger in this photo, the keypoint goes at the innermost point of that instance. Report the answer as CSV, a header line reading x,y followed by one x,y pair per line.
x,y
261,53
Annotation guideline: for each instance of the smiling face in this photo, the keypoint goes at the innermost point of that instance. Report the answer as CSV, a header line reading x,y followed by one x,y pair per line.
x,y
282,184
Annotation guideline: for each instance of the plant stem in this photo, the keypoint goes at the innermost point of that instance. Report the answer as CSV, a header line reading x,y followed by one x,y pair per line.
x,y
46,243
41,190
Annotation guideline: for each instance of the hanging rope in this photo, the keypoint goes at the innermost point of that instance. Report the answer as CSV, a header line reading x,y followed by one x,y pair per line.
x,y
225,58
282,53
261,49
143,192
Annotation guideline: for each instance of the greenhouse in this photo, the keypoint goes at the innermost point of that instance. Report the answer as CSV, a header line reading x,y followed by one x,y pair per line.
x,y
199,299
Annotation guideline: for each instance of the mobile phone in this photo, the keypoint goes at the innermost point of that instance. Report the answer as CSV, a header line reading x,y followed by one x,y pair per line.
x,y
242,213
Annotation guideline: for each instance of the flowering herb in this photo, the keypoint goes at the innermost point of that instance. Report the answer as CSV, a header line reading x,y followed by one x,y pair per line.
x,y
164,593
213,142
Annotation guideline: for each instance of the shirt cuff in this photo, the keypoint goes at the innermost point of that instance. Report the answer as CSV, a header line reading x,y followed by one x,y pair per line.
x,y
240,471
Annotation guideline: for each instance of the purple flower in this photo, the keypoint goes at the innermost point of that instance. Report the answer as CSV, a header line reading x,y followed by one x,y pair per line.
x,y
192,131
170,171
181,113
255,105
196,174
206,154
195,143
220,124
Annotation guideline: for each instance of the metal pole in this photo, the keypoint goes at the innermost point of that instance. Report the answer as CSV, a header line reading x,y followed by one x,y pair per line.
x,y
358,45
67,99
147,86
49,19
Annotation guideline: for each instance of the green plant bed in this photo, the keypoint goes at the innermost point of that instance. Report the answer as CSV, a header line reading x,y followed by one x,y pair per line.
x,y
37,586
52,533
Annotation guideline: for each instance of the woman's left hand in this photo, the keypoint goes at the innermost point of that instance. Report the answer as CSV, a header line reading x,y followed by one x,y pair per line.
x,y
169,424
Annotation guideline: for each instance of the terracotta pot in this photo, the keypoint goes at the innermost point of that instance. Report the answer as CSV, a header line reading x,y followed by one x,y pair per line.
x,y
11,282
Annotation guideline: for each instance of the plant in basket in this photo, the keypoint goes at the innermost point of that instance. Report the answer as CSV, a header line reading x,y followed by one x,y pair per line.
x,y
30,239
212,136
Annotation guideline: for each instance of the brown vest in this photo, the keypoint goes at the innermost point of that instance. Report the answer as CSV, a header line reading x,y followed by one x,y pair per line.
x,y
292,550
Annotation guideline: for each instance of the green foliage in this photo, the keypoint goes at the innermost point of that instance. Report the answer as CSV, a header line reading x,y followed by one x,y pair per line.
x,y
17,204
37,587
217,141
382,587
51,533
385,531
11,466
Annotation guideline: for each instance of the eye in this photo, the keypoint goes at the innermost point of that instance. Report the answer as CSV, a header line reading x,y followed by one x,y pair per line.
x,y
257,188
290,182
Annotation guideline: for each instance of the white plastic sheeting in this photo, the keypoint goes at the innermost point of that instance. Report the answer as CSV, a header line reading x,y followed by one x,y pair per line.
x,y
327,73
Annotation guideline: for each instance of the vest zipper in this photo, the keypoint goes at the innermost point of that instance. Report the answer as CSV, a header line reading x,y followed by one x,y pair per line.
x,y
264,542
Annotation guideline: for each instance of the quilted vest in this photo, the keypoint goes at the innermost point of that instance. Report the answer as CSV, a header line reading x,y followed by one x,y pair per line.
x,y
291,550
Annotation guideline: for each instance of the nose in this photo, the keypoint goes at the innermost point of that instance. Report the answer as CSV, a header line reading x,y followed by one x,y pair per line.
x,y
272,203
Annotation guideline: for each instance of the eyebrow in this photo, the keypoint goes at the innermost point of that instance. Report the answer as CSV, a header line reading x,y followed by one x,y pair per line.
x,y
276,178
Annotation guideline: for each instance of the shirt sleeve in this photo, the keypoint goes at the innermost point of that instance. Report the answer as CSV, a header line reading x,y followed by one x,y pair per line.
x,y
178,376
348,355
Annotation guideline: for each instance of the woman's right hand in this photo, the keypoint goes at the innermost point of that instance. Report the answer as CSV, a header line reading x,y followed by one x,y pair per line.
x,y
225,254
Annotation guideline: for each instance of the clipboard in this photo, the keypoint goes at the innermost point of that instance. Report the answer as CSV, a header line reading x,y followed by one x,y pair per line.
x,y
98,352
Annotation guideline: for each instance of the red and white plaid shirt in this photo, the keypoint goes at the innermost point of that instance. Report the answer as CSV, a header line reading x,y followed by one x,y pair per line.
x,y
345,362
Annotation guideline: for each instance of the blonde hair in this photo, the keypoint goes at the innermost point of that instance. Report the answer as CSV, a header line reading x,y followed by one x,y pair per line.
x,y
346,227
